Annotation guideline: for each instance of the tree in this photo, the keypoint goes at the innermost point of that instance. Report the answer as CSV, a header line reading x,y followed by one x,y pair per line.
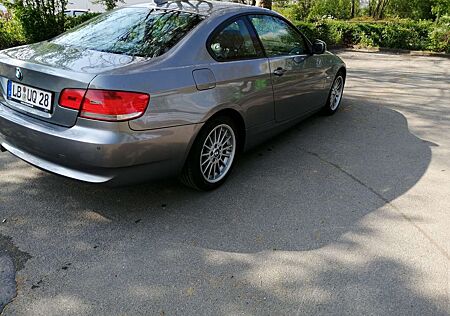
x,y
109,4
412,9
39,19
339,9
377,8
264,4
440,8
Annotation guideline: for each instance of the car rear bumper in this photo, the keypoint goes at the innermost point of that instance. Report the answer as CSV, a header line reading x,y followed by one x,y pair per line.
x,y
96,152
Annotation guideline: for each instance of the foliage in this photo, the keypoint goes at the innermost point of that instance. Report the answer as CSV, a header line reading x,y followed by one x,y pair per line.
x,y
339,9
405,24
109,4
412,9
39,19
440,38
10,31
312,10
263,4
445,19
362,31
400,34
377,8
440,8
71,22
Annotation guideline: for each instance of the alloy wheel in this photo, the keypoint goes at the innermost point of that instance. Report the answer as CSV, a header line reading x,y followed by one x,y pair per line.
x,y
218,153
336,93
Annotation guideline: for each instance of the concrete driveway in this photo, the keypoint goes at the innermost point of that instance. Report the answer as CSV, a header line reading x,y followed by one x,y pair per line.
x,y
347,214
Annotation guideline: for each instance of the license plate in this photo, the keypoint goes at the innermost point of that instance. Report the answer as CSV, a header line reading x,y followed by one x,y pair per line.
x,y
29,96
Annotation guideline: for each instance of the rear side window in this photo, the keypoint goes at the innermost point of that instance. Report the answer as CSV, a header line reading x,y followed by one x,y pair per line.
x,y
278,37
233,42
132,31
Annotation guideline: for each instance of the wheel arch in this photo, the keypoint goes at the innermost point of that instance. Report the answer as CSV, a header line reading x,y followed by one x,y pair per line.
x,y
188,173
342,69
237,117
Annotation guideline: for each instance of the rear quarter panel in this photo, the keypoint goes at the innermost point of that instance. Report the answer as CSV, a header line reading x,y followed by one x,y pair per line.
x,y
174,98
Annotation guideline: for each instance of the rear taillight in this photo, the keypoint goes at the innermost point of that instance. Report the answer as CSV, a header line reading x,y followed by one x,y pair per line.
x,y
71,98
106,105
113,105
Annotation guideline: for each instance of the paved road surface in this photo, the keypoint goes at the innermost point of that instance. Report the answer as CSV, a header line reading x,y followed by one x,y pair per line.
x,y
340,215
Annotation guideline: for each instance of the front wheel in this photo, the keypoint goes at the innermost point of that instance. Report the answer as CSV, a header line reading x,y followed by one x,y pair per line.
x,y
212,156
335,96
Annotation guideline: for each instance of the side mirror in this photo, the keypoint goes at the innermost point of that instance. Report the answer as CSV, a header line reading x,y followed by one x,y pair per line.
x,y
319,47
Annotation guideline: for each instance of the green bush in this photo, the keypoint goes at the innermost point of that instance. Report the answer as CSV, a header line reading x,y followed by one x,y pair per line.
x,y
31,27
445,19
397,34
440,39
406,35
39,19
291,12
394,33
339,9
11,33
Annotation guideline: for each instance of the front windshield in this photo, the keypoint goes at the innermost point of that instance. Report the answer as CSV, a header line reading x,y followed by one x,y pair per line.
x,y
136,31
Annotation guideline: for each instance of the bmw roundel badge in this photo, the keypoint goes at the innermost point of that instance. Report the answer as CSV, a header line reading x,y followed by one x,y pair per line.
x,y
19,74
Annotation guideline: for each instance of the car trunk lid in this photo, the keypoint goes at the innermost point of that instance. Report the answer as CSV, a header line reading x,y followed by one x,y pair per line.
x,y
51,68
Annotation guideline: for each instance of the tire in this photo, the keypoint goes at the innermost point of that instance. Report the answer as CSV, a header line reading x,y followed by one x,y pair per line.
x,y
212,155
335,95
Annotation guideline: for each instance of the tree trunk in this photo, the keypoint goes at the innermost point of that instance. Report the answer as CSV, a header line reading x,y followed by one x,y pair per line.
x,y
376,11
383,8
352,14
264,4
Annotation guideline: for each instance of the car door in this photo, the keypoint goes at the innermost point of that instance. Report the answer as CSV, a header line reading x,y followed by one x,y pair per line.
x,y
241,71
297,83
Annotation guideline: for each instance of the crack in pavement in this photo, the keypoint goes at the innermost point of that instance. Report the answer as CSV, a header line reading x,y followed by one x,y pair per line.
x,y
7,281
384,199
12,259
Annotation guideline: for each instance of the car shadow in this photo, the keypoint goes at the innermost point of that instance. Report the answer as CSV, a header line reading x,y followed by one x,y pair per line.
x,y
301,191
319,177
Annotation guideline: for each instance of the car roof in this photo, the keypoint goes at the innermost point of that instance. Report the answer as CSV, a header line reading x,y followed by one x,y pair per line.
x,y
199,7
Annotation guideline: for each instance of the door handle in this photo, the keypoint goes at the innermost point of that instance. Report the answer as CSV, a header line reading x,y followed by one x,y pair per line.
x,y
279,72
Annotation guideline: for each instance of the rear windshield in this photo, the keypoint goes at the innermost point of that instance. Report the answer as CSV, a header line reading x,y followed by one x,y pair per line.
x,y
143,32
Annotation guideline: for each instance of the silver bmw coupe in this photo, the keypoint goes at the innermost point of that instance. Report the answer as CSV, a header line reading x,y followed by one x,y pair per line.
x,y
162,89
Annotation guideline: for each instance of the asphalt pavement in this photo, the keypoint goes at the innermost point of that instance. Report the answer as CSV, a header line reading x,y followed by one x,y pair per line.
x,y
348,214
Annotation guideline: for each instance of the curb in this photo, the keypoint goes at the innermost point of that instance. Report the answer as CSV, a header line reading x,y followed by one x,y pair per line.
x,y
391,51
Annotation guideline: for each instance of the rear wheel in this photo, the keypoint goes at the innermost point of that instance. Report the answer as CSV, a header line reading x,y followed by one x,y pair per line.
x,y
335,96
212,156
